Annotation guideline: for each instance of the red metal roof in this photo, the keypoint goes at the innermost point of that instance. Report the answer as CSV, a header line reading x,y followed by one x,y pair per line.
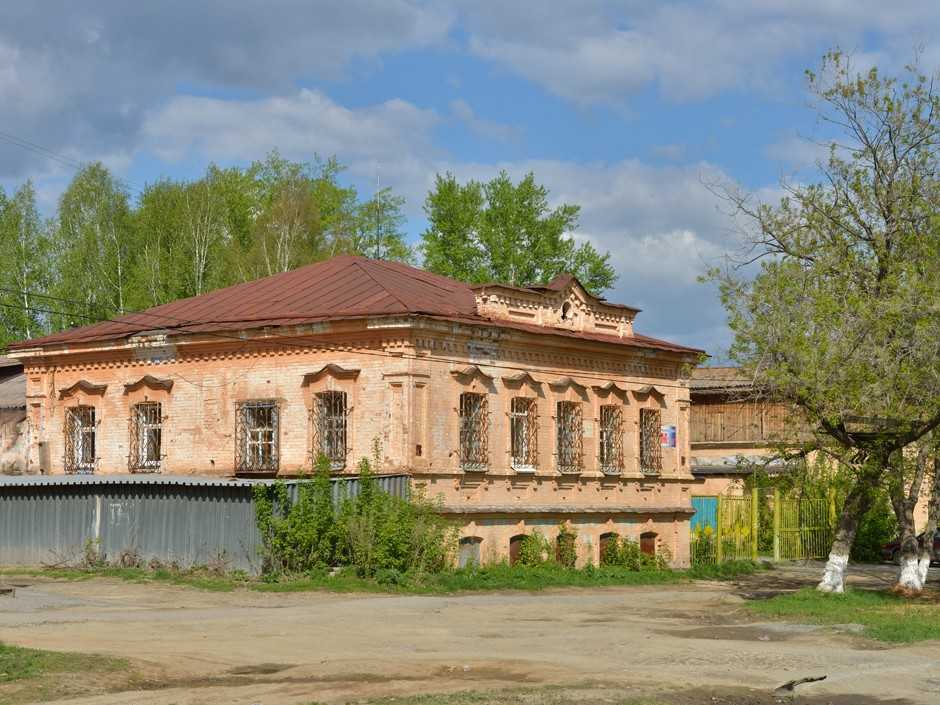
x,y
343,287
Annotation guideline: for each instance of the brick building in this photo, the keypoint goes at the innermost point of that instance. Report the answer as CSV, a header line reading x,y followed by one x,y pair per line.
x,y
520,408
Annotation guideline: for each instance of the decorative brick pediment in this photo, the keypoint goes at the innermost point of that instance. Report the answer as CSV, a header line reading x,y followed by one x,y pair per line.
x,y
562,303
83,386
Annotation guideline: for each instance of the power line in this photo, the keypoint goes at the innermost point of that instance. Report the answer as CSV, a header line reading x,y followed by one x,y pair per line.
x,y
246,342
61,158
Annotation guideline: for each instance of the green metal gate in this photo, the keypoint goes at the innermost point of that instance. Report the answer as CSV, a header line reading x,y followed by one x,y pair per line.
x,y
802,528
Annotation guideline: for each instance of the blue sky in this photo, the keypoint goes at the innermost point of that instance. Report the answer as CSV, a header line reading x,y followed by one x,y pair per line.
x,y
626,108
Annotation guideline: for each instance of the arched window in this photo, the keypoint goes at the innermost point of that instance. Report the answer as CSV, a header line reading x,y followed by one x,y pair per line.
x,y
515,546
607,541
648,543
468,551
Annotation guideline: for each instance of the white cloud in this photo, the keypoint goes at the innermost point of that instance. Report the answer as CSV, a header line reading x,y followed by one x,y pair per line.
x,y
602,52
299,125
487,129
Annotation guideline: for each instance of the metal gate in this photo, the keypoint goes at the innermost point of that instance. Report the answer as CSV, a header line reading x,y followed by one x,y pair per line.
x,y
728,528
803,528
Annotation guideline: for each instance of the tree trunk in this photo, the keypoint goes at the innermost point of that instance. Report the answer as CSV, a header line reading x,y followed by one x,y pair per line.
x,y
909,579
933,513
857,503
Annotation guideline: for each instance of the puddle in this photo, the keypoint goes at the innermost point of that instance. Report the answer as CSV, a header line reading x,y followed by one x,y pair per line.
x,y
261,669
777,632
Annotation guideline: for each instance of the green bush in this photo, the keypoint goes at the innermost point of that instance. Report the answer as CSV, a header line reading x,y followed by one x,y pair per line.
x,y
625,553
566,547
372,532
535,550
878,527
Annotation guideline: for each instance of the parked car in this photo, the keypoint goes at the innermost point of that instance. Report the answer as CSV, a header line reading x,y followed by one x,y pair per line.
x,y
892,551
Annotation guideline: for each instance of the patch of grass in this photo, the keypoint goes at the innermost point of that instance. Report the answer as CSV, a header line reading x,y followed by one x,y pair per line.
x,y
494,577
884,615
17,663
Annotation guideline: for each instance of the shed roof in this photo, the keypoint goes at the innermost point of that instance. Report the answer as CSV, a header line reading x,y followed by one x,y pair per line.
x,y
13,392
715,379
344,287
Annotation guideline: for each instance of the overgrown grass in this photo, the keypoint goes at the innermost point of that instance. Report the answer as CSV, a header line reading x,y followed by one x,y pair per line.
x,y
884,615
17,663
495,577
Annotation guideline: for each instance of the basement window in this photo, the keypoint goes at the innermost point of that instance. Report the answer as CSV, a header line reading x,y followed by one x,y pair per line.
x,y
80,430
611,439
256,434
146,437
474,430
651,452
523,431
569,429
329,428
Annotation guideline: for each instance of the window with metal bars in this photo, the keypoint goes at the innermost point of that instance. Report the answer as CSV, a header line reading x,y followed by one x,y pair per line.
x,y
651,450
80,439
256,436
523,432
569,428
329,428
611,439
474,432
146,437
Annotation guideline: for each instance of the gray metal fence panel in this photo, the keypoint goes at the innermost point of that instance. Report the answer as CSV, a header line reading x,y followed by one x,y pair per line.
x,y
187,521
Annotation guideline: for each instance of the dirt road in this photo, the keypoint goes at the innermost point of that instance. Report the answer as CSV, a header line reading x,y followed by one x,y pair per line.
x,y
244,647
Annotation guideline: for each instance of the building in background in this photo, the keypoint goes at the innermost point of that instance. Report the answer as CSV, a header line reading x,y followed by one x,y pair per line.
x,y
520,408
14,431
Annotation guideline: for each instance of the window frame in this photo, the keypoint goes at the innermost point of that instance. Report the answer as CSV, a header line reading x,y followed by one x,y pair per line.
x,y
249,438
569,427
330,429
139,442
524,429
610,452
651,451
76,439
474,454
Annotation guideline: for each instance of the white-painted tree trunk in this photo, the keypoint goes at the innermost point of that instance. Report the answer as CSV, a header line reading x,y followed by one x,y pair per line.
x,y
922,567
834,576
909,575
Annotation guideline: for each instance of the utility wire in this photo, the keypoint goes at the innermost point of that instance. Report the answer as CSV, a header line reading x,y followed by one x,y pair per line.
x,y
61,158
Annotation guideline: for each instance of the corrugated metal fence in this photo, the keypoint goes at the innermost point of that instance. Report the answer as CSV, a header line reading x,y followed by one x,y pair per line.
x,y
190,521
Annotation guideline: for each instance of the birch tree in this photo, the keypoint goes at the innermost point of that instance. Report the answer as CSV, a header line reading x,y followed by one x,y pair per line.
x,y
25,273
841,318
94,244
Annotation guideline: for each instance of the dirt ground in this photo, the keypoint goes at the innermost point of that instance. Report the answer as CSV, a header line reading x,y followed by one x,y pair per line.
x,y
192,647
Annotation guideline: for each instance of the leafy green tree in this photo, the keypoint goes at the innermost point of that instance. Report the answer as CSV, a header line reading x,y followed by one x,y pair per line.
x,y
506,232
379,226
94,246
841,319
24,276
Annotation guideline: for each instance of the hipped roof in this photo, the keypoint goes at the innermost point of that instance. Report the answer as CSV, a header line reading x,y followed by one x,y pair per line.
x,y
344,287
